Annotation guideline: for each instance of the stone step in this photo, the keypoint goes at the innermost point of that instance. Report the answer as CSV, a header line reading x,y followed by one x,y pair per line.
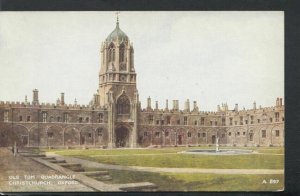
x,y
57,161
95,173
70,165
34,155
76,169
103,178
141,186
49,158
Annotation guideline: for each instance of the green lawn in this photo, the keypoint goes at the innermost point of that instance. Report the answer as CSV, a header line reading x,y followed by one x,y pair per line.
x,y
160,158
199,182
270,158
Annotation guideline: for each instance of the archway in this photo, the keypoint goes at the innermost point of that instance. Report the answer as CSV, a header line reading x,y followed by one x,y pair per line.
x,y
213,139
122,137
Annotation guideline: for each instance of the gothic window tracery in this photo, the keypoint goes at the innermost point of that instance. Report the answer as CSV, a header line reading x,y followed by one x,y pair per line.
x,y
122,53
123,105
111,53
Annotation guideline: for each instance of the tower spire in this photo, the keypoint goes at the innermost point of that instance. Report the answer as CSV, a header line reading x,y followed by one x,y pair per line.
x,y
117,14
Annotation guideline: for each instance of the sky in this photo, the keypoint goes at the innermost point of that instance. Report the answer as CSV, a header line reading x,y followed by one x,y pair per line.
x,y
208,57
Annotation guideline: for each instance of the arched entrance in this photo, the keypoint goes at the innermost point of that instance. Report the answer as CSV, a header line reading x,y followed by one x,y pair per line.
x,y
213,139
122,137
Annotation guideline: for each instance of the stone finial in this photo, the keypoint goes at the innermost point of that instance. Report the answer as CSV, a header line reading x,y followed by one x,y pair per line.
x,y
167,105
254,105
156,105
62,98
35,100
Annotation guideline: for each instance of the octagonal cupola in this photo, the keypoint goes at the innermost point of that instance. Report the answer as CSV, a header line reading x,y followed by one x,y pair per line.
x,y
117,35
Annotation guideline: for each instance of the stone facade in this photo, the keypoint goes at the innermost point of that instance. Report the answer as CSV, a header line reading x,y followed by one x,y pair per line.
x,y
114,118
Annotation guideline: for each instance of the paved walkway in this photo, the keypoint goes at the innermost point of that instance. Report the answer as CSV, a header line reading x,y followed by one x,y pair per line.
x,y
20,166
92,164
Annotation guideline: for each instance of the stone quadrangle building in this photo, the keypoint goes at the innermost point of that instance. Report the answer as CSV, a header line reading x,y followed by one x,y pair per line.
x,y
114,117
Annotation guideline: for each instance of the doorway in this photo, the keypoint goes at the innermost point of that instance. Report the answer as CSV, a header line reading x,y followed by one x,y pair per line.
x,y
213,138
122,137
179,139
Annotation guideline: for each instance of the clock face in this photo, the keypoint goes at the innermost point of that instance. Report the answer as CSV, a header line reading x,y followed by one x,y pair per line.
x,y
123,78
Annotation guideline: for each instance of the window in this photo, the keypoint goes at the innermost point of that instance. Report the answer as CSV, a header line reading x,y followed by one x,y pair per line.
x,y
263,133
230,121
157,134
211,123
167,134
246,122
235,122
258,120
145,133
58,119
44,116
229,133
202,121
277,133
238,133
185,120
195,122
20,118
51,119
111,53
80,120
189,134
66,117
122,53
150,119
123,105
87,119
100,118
157,122
216,123
168,120
99,131
90,135
271,119
50,134
223,121
241,120
178,122
199,134
203,134
251,117
244,133
5,116
276,116
28,119
162,122
282,118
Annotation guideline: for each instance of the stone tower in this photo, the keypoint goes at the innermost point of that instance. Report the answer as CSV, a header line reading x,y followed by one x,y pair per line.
x,y
117,88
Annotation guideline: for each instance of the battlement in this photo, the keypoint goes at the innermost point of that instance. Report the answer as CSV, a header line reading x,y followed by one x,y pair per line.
x,y
13,104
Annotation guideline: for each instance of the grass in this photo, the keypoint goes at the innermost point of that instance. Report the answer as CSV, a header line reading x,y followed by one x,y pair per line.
x,y
269,159
160,158
199,182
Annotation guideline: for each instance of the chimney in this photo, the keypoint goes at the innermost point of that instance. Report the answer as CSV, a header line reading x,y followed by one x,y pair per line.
x,y
174,104
149,103
167,107
236,107
187,105
156,105
254,105
219,109
280,100
35,100
195,107
277,101
75,102
26,99
177,105
62,98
